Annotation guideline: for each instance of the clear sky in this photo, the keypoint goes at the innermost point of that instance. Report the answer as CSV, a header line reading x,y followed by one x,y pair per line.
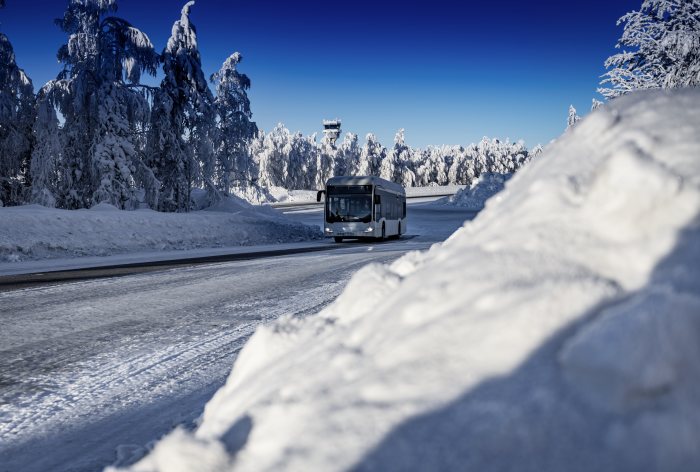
x,y
449,72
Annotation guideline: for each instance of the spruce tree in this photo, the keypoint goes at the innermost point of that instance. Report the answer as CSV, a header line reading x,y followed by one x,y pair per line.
x,y
234,126
660,48
180,144
16,120
98,93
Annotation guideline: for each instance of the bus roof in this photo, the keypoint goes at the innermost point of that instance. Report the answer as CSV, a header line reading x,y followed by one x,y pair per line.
x,y
366,180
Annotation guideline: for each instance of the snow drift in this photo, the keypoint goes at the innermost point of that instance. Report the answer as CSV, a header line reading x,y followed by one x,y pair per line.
x,y
560,330
475,195
34,232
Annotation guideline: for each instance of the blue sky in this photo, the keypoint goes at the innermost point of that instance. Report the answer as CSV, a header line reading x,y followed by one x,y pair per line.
x,y
448,72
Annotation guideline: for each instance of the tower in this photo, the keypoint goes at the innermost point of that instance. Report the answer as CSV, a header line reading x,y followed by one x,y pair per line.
x,y
331,131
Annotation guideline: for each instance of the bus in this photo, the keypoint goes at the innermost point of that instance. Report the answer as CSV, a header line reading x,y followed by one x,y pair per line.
x,y
363,208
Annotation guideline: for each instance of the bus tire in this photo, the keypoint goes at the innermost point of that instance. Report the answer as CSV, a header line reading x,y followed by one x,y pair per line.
x,y
398,236
383,232
338,239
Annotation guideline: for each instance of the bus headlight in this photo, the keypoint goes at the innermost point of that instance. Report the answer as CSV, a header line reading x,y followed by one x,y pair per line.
x,y
328,230
369,230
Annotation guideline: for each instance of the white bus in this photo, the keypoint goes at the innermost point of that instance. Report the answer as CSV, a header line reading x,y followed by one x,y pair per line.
x,y
363,207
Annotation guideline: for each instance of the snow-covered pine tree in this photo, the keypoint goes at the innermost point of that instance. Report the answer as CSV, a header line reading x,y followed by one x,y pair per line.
x,y
325,162
46,155
387,168
352,153
180,145
274,157
16,119
573,118
301,162
371,156
348,160
397,164
234,126
535,152
97,92
663,38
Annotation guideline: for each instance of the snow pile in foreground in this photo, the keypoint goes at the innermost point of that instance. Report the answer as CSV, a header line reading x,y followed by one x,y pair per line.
x,y
474,197
34,232
560,330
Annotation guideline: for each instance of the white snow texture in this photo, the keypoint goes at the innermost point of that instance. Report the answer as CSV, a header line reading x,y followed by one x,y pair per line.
x,y
35,232
559,330
481,189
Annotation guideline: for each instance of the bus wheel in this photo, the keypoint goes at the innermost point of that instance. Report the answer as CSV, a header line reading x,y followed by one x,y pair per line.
x,y
398,236
338,239
383,232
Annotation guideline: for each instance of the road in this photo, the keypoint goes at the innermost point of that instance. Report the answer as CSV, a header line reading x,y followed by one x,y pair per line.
x,y
92,371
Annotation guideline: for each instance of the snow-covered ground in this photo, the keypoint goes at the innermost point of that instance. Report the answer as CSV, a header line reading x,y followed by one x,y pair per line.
x,y
36,232
559,330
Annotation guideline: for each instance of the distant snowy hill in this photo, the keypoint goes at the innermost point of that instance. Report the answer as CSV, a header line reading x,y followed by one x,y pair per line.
x,y
559,330
36,232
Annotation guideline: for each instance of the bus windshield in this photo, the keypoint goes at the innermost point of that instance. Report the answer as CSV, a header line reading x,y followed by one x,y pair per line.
x,y
345,208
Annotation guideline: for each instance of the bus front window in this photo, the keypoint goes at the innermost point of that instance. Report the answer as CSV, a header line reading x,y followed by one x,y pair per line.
x,y
349,208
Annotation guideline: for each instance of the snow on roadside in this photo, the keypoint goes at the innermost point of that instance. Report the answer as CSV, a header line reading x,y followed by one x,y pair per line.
x,y
36,232
282,195
433,190
474,197
559,330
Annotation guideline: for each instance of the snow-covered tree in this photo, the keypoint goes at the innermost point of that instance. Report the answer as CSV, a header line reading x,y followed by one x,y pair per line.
x,y
301,162
595,104
387,167
97,92
663,38
234,127
16,119
181,149
325,162
291,160
396,166
348,160
46,155
274,157
371,156
573,118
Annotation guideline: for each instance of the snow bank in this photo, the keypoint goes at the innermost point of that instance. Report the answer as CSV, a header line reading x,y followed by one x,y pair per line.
x,y
254,194
282,195
433,190
35,232
474,197
559,330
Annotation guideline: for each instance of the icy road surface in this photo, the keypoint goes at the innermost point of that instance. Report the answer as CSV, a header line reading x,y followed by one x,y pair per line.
x,y
91,372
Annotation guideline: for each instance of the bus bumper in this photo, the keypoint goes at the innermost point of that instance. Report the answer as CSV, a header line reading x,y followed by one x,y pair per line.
x,y
350,230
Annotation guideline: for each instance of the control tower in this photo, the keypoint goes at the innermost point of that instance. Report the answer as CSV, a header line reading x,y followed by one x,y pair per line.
x,y
331,131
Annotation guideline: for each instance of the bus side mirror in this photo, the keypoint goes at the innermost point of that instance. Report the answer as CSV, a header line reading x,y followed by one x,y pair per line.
x,y
377,199
318,195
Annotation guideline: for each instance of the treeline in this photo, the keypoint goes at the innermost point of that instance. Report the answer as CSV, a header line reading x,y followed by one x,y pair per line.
x,y
97,134
291,160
